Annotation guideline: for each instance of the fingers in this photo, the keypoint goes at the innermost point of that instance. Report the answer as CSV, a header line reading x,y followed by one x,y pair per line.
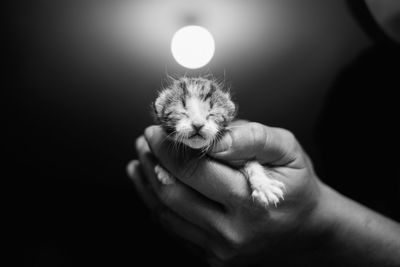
x,y
184,229
142,186
254,141
212,179
171,221
148,162
180,198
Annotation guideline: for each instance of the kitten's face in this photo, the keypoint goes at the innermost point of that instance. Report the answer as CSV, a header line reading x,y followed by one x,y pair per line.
x,y
194,111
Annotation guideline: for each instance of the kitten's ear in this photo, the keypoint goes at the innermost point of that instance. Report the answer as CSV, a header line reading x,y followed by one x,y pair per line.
x,y
235,110
156,111
232,108
159,104
214,86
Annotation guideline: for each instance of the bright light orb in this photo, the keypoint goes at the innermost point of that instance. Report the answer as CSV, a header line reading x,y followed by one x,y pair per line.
x,y
193,46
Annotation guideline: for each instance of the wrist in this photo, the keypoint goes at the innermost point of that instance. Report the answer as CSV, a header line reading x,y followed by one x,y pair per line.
x,y
320,231
322,219
348,233
332,223
312,238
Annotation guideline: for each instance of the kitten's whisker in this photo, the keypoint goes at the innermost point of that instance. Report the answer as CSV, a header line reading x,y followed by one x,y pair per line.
x,y
178,142
168,136
171,146
184,136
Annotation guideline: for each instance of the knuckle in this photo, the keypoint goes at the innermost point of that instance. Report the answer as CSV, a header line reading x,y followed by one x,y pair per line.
x,y
238,197
255,127
289,138
260,137
257,132
169,195
287,135
139,143
236,240
233,238
132,168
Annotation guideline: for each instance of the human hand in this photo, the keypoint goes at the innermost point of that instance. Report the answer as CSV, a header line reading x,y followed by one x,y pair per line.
x,y
210,204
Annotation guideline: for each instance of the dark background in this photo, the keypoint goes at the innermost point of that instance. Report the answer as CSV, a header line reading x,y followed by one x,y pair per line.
x,y
82,75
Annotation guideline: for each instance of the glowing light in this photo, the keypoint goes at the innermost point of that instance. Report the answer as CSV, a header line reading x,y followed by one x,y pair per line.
x,y
193,46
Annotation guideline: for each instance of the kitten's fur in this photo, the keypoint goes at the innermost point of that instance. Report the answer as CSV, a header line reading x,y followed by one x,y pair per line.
x,y
196,112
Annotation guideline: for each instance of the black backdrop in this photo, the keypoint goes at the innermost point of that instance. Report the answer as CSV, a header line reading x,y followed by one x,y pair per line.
x,y
68,143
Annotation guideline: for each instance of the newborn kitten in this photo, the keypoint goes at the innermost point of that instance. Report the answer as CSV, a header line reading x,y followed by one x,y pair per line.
x,y
196,112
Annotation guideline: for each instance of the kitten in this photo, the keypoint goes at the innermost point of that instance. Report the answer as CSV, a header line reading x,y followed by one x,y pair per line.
x,y
196,112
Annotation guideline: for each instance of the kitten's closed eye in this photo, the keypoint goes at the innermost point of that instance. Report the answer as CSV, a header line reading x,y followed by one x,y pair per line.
x,y
184,114
210,115
194,111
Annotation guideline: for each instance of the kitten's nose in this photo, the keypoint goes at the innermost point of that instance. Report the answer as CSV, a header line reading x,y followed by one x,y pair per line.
x,y
197,126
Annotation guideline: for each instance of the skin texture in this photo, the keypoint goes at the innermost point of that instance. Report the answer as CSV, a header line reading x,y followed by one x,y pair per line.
x,y
209,205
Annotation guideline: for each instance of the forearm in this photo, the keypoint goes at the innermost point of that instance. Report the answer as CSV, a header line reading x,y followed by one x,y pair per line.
x,y
387,15
355,235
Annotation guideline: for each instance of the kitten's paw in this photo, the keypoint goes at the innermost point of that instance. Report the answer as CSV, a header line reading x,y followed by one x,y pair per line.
x,y
163,176
265,190
268,192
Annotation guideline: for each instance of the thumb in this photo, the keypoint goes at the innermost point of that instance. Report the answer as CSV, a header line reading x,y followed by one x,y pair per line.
x,y
254,141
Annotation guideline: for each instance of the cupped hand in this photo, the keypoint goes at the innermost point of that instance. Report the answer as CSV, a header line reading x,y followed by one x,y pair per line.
x,y
210,203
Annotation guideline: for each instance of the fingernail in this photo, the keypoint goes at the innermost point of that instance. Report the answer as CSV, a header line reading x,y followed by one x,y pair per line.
x,y
223,145
140,143
149,131
131,167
